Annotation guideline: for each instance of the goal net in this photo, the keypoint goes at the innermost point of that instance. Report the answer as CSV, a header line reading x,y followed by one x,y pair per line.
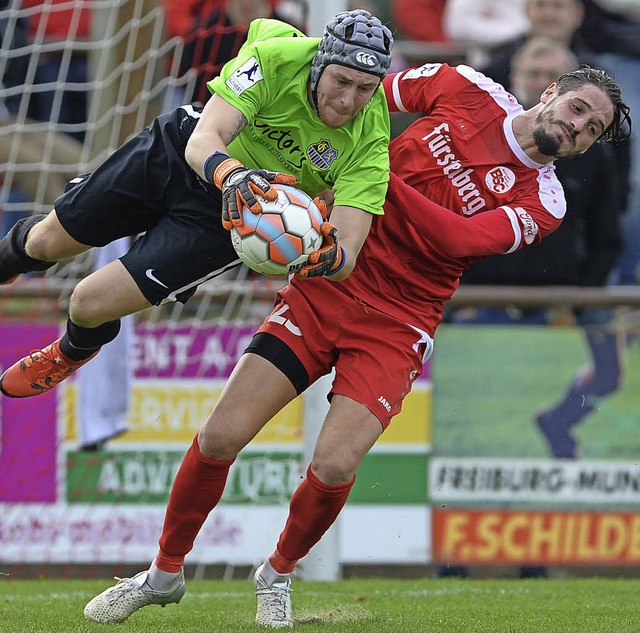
x,y
78,78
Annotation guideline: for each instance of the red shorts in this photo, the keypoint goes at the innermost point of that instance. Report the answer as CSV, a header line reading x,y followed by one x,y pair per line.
x,y
375,356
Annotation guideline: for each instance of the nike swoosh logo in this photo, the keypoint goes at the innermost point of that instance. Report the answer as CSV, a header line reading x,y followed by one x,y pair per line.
x,y
149,273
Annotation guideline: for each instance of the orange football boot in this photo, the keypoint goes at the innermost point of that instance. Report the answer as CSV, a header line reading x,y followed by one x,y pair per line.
x,y
39,372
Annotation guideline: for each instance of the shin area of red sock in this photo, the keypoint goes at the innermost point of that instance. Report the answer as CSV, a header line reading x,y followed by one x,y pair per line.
x,y
196,490
313,509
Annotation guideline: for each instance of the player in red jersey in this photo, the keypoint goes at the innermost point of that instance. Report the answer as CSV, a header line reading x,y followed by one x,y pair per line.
x,y
478,154
473,178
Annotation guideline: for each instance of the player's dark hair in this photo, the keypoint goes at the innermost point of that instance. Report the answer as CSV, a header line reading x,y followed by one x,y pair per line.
x,y
620,127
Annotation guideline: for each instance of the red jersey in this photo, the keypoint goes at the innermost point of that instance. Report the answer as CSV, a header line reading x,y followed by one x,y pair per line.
x,y
473,192
60,17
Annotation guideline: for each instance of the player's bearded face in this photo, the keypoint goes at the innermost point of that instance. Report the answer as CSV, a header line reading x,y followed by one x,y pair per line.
x,y
550,133
342,92
571,122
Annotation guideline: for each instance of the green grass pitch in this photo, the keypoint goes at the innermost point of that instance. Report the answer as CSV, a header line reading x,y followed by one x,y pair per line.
x,y
349,606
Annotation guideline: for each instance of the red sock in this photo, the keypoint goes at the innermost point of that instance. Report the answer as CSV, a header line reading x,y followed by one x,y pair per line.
x,y
196,490
313,509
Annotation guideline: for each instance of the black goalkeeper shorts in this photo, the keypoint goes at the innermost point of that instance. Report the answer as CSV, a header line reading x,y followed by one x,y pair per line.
x,y
147,187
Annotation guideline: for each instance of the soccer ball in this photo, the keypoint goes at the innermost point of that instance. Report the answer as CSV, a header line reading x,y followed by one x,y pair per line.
x,y
278,240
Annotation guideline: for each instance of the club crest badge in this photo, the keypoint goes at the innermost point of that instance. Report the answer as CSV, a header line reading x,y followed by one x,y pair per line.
x,y
321,154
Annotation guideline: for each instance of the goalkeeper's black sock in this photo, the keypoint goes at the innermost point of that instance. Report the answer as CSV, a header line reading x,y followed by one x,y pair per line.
x,y
78,343
13,256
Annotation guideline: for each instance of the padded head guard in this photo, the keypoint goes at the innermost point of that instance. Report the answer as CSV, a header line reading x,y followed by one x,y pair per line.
x,y
355,39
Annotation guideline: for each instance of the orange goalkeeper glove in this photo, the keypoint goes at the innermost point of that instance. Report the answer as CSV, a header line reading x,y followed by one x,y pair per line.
x,y
241,187
328,259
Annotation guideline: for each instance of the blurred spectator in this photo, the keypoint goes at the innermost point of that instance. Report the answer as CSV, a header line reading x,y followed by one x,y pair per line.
x,y
27,149
24,184
35,165
483,25
610,26
182,15
420,20
612,29
13,64
558,20
60,24
582,251
213,31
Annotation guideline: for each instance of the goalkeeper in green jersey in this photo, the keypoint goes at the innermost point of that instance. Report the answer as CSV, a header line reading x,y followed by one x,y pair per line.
x,y
288,109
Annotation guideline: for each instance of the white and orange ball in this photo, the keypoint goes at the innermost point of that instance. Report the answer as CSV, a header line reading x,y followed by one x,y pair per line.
x,y
278,240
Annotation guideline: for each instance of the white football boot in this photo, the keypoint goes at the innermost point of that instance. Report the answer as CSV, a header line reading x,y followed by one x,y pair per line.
x,y
117,603
274,601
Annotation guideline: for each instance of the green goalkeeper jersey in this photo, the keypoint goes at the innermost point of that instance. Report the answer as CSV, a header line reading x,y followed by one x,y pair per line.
x,y
268,82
